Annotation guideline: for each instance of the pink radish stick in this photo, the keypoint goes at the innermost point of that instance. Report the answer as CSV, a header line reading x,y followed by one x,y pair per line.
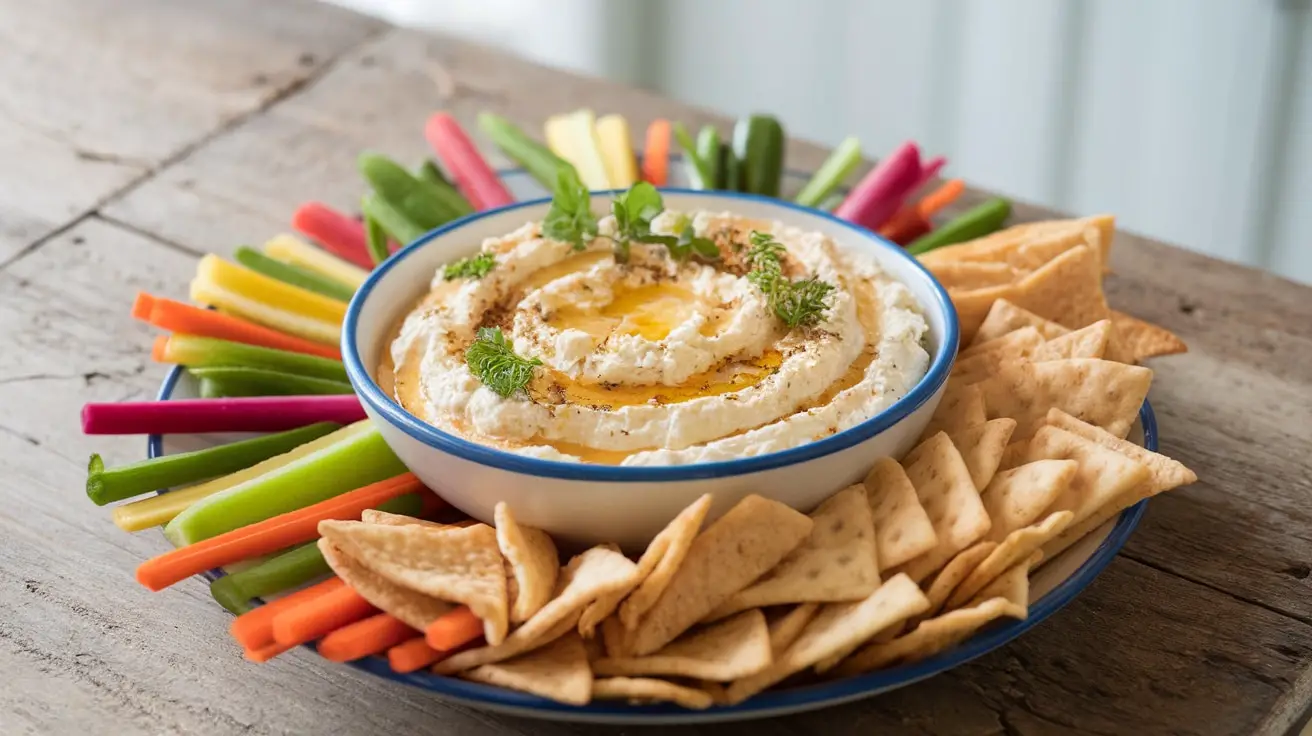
x,y
187,416
881,192
474,178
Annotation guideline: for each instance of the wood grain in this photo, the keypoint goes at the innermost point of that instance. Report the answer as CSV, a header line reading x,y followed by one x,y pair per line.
x,y
1200,627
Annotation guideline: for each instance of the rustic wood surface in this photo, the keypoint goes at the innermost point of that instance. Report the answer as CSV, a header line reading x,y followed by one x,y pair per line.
x,y
139,133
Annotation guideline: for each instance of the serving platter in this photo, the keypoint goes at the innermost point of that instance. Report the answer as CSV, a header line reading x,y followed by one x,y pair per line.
x,y
1052,586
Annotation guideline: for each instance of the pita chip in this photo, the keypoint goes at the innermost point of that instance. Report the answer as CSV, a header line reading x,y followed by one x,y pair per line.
x,y
1017,497
558,671
649,690
1086,342
838,627
1135,339
944,488
958,569
1014,455
979,363
930,637
962,406
968,275
657,565
733,551
982,447
1101,392
1013,585
387,518
460,565
785,629
736,647
1066,290
1029,243
1166,472
411,608
1102,476
1016,548
1005,317
903,530
533,561
836,562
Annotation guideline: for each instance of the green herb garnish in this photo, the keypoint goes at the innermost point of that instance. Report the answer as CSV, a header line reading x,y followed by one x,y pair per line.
x,y
473,267
690,244
634,210
570,219
795,303
492,359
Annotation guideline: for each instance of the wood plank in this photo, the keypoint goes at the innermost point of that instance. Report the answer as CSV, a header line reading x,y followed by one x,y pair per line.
x,y
97,94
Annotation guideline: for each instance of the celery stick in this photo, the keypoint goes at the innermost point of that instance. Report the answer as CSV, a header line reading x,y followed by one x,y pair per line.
x,y
292,274
831,173
221,381
115,484
205,352
699,175
359,458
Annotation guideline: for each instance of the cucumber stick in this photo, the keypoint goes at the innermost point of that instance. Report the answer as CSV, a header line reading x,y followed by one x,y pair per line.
x,y
708,151
758,144
537,159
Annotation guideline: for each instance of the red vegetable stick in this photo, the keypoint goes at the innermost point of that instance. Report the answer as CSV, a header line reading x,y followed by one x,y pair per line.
x,y
335,232
413,655
254,629
656,153
175,316
930,170
474,178
195,416
320,616
372,635
912,220
270,535
459,626
881,192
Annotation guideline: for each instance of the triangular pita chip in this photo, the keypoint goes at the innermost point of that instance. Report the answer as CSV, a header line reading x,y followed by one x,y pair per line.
x,y
591,574
1102,477
414,609
958,569
1004,318
1166,472
962,406
460,565
1014,344
533,561
649,690
1013,585
659,562
981,364
387,518
944,488
1100,392
903,530
1066,290
1016,548
1086,342
982,446
1015,245
727,650
1014,455
1135,339
838,626
930,637
732,552
785,629
1017,497
558,671
836,562
967,275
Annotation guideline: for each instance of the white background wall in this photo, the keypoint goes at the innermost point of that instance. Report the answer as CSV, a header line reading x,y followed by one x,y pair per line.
x,y
1191,120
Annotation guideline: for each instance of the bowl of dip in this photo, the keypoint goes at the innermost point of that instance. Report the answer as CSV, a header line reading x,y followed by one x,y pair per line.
x,y
598,392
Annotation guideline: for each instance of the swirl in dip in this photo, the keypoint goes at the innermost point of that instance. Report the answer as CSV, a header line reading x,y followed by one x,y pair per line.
x,y
658,361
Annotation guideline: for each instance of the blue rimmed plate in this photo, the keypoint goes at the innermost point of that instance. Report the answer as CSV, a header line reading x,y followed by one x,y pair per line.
x,y
1051,587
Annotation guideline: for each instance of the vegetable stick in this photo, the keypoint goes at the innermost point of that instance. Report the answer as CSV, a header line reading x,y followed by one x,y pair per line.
x,y
254,629
831,174
709,153
457,627
474,177
424,203
413,655
929,170
936,200
197,416
175,316
694,168
375,239
288,249
537,159
912,220
617,151
758,144
268,302
974,223
373,635
318,616
270,535
338,233
359,458
105,485
392,221
573,137
207,352
656,153
428,171
220,382
266,653
291,274
295,567
880,193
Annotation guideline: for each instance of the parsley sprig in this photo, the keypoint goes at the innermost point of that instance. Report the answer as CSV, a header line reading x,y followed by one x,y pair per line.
x,y
570,219
473,267
492,359
634,211
795,303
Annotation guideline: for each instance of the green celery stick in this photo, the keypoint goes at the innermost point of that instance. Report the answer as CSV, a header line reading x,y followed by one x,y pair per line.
x,y
375,238
974,223
423,202
393,221
699,175
709,151
831,173
221,381
832,201
537,159
115,484
291,274
208,352
358,458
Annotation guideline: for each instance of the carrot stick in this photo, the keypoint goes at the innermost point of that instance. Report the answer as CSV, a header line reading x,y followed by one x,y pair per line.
x,y
338,233
270,535
458,627
931,203
656,153
319,616
266,653
413,655
372,635
254,629
175,316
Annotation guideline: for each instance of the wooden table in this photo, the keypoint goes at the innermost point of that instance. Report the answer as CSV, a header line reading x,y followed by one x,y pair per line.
x,y
139,134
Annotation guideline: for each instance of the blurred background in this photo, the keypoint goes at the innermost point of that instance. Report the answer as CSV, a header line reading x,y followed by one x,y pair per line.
x,y
1191,120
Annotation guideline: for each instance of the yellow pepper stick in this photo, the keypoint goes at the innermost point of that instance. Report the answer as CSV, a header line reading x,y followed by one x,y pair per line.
x,y
617,151
267,301
573,137
289,249
157,510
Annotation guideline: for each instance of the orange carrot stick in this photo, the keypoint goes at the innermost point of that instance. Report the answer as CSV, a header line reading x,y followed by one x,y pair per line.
x,y
656,153
319,616
266,653
370,636
270,535
254,629
175,316
931,203
912,220
457,627
413,655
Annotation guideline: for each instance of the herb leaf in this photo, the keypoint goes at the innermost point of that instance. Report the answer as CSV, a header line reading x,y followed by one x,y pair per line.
x,y
570,219
473,267
634,210
492,359
690,244
795,303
